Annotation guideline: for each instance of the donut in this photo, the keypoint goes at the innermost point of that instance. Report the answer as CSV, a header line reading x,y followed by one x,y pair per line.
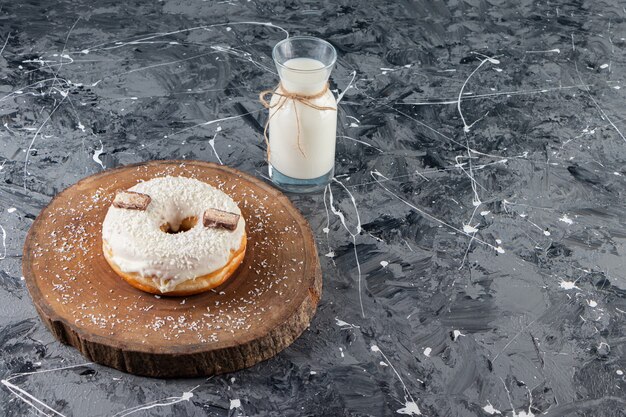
x,y
174,236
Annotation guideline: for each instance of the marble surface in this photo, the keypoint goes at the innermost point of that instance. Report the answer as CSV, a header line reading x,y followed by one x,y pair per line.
x,y
472,241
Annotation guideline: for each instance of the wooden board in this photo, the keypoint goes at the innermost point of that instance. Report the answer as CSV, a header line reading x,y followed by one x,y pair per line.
x,y
258,312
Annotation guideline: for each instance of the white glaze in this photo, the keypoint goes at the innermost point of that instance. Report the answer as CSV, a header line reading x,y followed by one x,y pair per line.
x,y
140,246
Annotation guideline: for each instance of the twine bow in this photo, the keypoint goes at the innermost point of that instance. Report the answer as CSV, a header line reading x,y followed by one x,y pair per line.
x,y
284,97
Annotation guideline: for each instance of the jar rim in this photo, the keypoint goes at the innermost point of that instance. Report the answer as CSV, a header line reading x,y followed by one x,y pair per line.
x,y
309,38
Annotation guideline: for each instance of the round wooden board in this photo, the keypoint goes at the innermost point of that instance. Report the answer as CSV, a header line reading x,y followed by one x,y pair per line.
x,y
258,312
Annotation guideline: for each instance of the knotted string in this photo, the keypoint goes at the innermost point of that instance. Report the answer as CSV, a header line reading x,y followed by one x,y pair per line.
x,y
284,97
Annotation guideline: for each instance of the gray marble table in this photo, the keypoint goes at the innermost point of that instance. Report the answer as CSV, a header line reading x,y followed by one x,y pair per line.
x,y
472,241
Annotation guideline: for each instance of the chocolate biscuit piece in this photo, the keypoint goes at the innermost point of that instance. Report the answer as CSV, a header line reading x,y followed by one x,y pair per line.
x,y
131,200
218,218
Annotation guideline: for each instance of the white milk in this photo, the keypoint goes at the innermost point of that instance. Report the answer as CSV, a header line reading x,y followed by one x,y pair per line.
x,y
317,127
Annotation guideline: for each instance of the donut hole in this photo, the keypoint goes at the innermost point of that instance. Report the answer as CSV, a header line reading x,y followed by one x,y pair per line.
x,y
184,225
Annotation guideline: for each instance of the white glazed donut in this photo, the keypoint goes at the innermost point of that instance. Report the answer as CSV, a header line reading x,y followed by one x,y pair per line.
x,y
150,251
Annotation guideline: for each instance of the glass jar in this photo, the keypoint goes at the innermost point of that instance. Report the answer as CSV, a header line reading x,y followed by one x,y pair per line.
x,y
303,116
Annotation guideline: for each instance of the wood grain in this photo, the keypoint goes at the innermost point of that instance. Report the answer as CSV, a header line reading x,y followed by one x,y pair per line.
x,y
258,312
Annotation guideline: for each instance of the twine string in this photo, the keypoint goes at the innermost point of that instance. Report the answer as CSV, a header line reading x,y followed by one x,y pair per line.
x,y
284,96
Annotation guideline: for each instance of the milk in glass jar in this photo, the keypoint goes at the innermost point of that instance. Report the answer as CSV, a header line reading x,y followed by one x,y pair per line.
x,y
303,116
